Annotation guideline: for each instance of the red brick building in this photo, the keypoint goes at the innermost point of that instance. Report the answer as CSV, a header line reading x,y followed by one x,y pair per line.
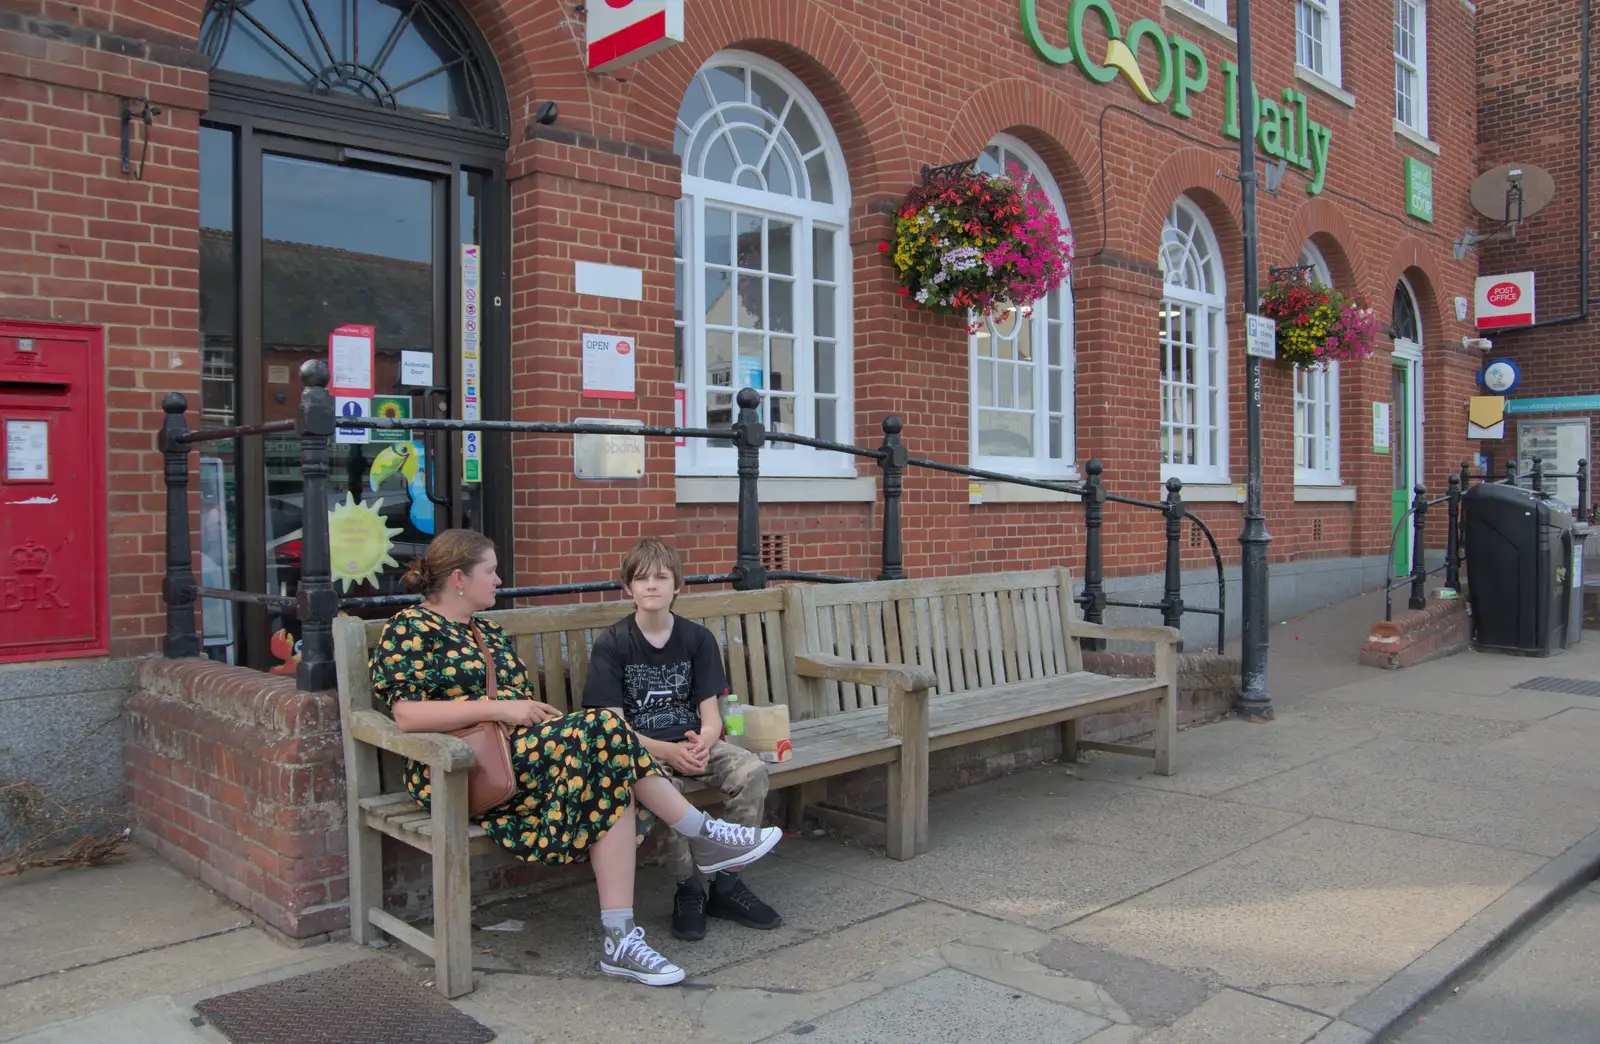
x,y
1529,112
721,203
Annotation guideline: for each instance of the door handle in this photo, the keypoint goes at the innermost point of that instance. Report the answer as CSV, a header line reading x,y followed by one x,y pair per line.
x,y
438,443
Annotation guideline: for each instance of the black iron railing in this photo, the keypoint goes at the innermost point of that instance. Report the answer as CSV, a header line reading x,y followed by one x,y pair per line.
x,y
316,601
1455,537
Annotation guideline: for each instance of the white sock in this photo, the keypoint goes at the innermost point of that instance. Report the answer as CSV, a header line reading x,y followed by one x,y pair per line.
x,y
691,824
618,922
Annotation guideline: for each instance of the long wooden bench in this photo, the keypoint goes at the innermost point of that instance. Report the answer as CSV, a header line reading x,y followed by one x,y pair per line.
x,y
1005,648
555,643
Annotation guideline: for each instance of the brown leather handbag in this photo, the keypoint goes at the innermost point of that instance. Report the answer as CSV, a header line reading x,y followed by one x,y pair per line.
x,y
491,781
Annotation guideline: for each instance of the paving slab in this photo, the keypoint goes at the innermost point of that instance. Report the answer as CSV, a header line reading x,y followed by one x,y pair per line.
x,y
1042,849
65,918
1513,706
562,927
1389,784
949,1007
1324,905
1151,994
1228,754
1232,1017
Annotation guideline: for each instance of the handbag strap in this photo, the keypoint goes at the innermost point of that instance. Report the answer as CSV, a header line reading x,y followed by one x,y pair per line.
x,y
488,660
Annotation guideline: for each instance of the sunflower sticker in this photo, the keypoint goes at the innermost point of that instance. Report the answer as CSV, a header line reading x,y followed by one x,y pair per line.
x,y
391,408
359,541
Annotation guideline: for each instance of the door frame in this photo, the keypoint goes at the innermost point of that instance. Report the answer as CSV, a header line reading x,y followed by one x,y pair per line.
x,y
258,117
1408,357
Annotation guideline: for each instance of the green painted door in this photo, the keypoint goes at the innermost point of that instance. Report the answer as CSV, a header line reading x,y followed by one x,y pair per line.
x,y
1400,457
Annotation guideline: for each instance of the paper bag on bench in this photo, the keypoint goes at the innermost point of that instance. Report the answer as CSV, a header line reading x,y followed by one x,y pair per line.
x,y
766,732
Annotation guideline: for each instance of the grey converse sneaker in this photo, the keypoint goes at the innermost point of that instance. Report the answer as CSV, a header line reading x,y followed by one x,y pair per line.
x,y
727,846
630,957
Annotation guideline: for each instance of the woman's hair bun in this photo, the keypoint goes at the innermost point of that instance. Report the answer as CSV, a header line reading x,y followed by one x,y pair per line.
x,y
416,578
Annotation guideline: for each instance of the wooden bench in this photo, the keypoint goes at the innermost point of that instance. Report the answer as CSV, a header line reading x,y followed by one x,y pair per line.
x,y
1005,648
756,637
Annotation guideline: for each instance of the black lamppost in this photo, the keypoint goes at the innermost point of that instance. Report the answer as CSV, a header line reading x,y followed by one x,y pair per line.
x,y
1254,702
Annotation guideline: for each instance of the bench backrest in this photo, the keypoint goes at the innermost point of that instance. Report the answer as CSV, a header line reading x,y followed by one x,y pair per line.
x,y
555,642
972,631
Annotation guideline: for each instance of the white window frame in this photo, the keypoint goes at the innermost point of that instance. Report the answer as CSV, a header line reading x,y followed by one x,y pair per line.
x,y
1217,9
1332,66
699,457
1416,67
1211,310
1056,309
1316,402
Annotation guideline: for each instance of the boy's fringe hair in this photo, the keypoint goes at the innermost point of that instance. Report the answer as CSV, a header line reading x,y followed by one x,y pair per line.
x,y
650,554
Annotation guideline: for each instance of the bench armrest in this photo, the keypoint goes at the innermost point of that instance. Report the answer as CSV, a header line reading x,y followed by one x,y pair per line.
x,y
1084,629
437,750
907,676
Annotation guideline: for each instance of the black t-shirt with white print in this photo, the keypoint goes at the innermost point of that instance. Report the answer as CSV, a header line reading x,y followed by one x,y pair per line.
x,y
659,690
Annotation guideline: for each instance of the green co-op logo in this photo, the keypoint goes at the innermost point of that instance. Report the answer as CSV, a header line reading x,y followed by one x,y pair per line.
x,y
1283,130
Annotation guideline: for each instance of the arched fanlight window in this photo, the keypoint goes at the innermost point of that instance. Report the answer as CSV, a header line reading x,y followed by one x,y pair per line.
x,y
1022,366
418,56
1194,349
1316,401
1403,322
762,264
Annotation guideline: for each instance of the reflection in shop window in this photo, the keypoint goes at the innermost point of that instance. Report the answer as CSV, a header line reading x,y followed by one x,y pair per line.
x,y
219,313
761,265
1316,402
1194,343
1022,366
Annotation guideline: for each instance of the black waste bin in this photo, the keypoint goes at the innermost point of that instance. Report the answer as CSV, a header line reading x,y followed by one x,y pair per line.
x,y
1519,556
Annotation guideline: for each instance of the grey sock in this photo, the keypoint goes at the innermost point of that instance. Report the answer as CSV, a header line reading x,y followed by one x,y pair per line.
x,y
691,824
617,922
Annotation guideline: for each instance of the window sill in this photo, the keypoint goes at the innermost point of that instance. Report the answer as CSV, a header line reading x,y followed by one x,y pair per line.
x,y
1309,494
721,490
1323,84
1415,138
1184,9
1010,493
1209,493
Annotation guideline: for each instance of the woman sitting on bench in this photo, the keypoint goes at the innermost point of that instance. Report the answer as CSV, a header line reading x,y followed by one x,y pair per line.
x,y
578,774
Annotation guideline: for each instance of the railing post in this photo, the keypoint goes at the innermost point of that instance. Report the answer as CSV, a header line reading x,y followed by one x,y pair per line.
x,y
1511,471
1419,553
1172,597
1583,508
749,436
1538,476
893,463
1093,599
1452,549
317,599
1466,477
178,586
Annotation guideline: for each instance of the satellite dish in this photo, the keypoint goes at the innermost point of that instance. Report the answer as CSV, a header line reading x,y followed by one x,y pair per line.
x,y
1512,192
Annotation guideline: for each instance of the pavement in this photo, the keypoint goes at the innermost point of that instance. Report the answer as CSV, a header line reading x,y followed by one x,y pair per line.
x,y
1320,878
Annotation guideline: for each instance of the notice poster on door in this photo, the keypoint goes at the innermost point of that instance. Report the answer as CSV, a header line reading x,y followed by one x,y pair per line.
x,y
680,412
351,352
471,326
1380,427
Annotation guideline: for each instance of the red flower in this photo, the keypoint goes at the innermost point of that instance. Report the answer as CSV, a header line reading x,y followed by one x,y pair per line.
x,y
883,246
904,292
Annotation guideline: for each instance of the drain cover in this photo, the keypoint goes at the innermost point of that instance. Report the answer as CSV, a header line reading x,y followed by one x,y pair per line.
x,y
1570,686
365,1002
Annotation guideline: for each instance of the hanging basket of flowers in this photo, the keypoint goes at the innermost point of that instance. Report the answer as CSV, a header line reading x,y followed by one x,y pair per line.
x,y
1317,324
973,244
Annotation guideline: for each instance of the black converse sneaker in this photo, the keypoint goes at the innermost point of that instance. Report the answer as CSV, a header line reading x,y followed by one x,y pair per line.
x,y
689,912
628,956
738,903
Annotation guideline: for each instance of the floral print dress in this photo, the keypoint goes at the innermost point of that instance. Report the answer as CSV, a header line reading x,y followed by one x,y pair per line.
x,y
574,773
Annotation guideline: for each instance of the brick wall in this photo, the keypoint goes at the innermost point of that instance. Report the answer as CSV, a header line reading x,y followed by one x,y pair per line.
x,y
1528,112
81,242
922,84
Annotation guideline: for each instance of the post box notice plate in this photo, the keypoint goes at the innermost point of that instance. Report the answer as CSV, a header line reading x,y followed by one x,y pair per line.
x,y
607,456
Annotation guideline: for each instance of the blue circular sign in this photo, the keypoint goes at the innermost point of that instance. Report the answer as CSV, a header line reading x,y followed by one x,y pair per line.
x,y
1501,376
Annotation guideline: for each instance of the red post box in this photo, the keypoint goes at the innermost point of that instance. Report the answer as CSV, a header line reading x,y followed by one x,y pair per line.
x,y
53,586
